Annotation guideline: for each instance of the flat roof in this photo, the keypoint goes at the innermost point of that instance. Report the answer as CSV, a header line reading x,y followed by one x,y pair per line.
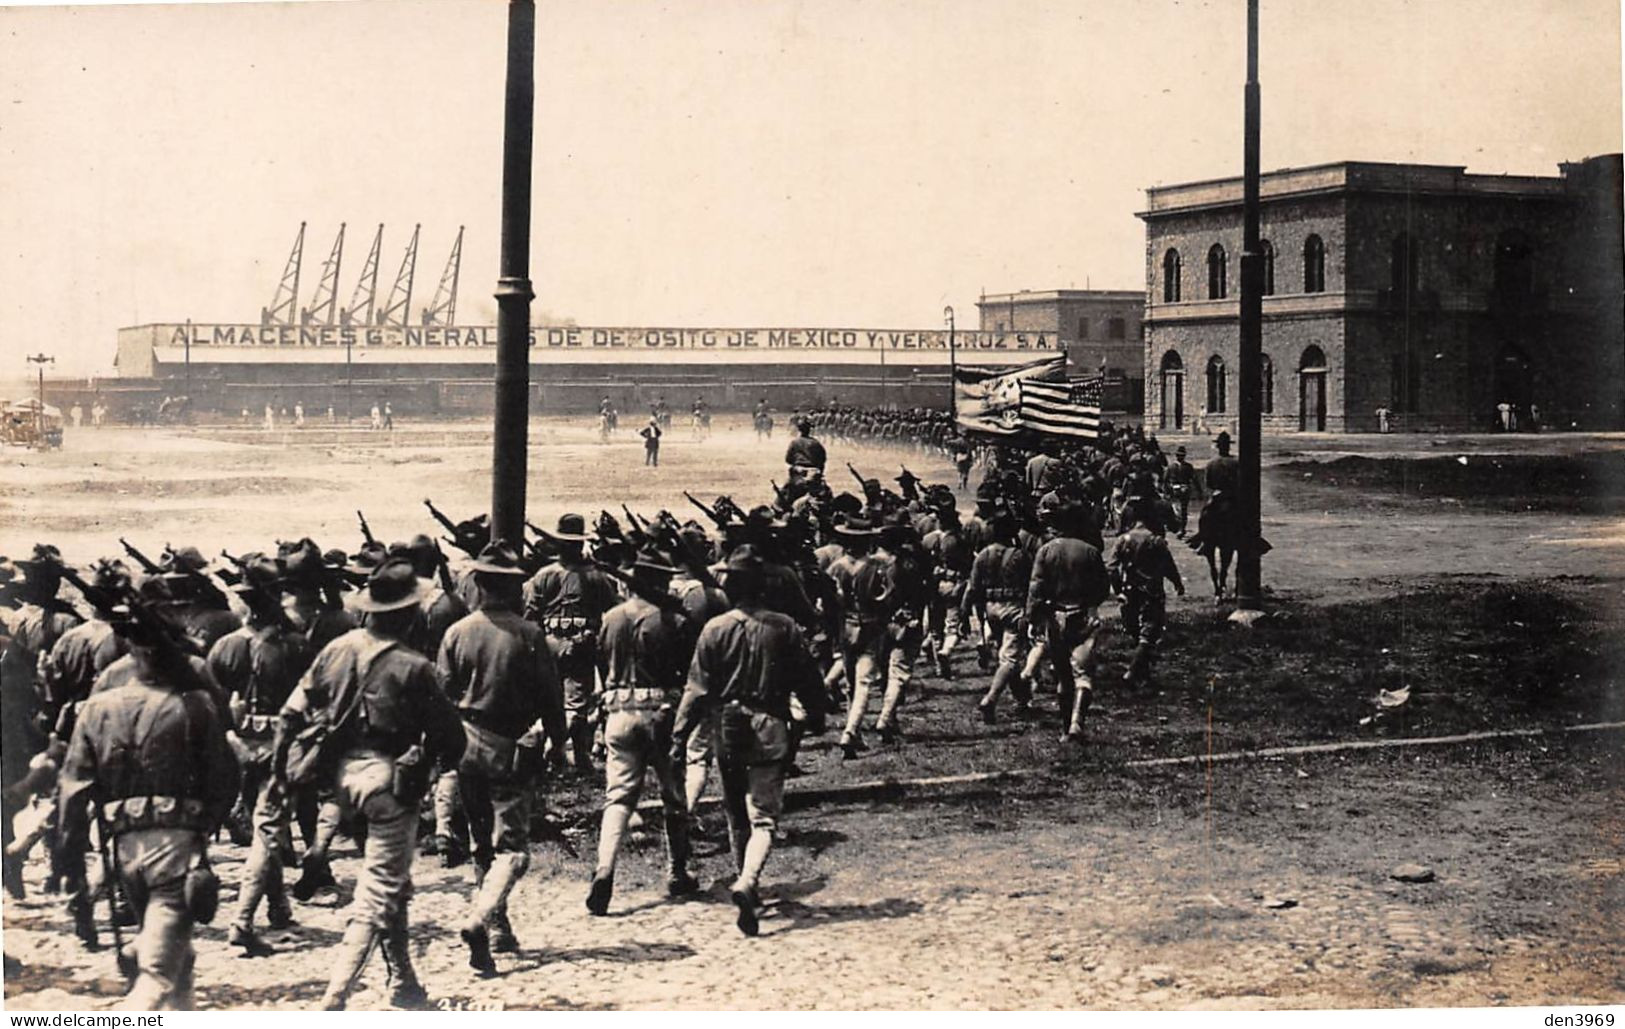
x,y
1349,176
1028,296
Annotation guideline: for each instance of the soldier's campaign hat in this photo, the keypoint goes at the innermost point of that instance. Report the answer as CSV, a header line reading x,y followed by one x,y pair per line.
x,y
498,559
743,559
185,560
110,574
303,565
908,476
393,585
1222,440
261,575
571,527
1179,451
856,527
45,556
653,561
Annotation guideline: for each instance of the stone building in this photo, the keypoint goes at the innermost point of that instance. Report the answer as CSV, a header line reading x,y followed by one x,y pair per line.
x,y
1098,328
1436,294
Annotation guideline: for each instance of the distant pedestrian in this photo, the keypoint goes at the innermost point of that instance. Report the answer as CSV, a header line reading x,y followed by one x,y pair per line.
x,y
1382,419
98,414
270,418
651,443
389,417
76,414
299,415
1507,418
377,417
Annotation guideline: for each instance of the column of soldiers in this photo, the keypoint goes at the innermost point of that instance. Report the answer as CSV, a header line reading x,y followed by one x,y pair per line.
x,y
301,694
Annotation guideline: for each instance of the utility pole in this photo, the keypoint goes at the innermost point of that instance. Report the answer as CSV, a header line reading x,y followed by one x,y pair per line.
x,y
510,436
953,365
39,412
1249,587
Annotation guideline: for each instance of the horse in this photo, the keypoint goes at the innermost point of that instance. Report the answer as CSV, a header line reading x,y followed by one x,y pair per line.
x,y
1219,535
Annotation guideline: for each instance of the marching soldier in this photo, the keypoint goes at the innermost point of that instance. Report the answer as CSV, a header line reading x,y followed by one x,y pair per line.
x,y
996,592
389,721
951,559
805,455
643,657
865,584
258,666
914,590
1141,562
35,626
1063,600
568,599
747,665
501,675
1180,481
149,756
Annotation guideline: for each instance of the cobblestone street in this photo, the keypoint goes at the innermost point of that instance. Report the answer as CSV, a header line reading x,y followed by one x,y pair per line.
x,y
1079,892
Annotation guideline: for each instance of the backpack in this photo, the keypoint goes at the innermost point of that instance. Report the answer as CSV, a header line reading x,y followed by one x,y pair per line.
x,y
313,754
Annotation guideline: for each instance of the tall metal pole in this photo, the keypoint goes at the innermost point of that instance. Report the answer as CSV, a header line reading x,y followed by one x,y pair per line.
x,y
1248,576
953,365
189,360
511,430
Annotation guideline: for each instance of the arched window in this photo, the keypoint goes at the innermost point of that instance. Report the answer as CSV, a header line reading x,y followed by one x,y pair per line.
x,y
1266,386
1267,250
1171,362
1170,277
1314,265
1402,265
1173,391
1514,264
1313,360
1217,280
1215,385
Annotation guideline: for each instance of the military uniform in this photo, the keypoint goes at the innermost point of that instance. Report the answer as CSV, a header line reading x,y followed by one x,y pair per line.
x,y
152,755
258,667
865,583
1068,584
500,673
1141,562
402,722
644,656
568,599
997,590
747,665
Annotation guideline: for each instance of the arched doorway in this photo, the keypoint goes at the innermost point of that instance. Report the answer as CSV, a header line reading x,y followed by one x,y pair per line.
x,y
1312,390
1514,381
1173,392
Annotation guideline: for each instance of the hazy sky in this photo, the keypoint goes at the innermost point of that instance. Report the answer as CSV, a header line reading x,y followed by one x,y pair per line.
x,y
716,162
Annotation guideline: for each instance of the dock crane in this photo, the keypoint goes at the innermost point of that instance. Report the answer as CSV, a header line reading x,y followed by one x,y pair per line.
x,y
284,307
366,287
443,309
324,305
399,305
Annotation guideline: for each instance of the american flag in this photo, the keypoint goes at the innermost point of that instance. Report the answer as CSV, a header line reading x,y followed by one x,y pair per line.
x,y
1069,408
989,399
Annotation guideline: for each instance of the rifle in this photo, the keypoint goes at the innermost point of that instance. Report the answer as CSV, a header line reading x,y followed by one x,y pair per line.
x,y
779,495
366,530
147,564
857,475
709,513
115,892
464,540
660,599
728,510
232,578
608,528
669,535
442,568
632,520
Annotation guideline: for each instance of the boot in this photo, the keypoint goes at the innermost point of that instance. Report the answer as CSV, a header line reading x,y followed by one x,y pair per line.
x,y
244,936
315,874
603,888
13,876
405,991
478,940
354,950
1139,670
679,883
451,850
503,940
1081,699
